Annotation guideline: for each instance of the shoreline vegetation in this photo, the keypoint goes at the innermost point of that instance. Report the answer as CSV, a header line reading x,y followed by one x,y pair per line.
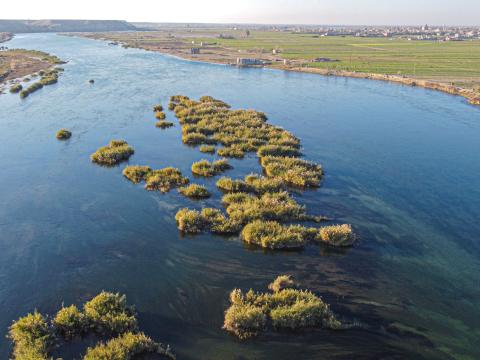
x,y
107,316
392,60
17,65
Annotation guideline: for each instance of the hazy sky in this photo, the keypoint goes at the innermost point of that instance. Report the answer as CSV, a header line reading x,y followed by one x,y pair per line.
x,y
449,12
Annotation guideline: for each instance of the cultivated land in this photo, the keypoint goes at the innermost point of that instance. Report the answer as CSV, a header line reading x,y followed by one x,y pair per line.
x,y
450,66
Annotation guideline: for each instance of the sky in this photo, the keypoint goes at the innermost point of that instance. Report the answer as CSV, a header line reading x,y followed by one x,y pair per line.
x,y
351,12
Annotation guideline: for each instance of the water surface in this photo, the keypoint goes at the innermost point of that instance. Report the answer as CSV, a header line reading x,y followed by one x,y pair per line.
x,y
401,166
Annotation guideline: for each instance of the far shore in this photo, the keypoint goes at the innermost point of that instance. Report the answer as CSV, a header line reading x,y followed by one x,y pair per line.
x,y
217,56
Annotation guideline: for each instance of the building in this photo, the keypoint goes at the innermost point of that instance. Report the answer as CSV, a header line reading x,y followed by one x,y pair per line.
x,y
248,62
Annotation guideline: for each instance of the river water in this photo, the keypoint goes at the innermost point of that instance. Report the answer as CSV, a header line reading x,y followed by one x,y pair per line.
x,y
401,165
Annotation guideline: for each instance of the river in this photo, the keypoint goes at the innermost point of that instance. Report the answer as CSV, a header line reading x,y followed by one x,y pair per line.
x,y
402,166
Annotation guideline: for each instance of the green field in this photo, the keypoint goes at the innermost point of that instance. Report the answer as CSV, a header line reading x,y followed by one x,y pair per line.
x,y
457,61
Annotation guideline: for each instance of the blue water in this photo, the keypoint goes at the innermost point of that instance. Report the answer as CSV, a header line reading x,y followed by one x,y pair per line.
x,y
401,165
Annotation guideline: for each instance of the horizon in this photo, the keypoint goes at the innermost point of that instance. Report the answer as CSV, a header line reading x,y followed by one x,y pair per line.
x,y
265,12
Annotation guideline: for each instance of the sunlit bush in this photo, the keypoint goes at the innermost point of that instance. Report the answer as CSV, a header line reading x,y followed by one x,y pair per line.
x,y
63,134
165,179
337,235
115,152
195,191
136,173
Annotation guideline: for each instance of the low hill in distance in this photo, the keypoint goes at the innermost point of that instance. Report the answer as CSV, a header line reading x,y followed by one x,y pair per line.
x,y
31,26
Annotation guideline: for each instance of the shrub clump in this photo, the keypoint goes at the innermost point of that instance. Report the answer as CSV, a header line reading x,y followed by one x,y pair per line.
x,y
337,235
127,347
16,88
108,313
231,151
285,309
115,152
165,179
136,173
69,321
210,149
63,134
209,219
293,171
272,235
277,150
162,124
158,108
208,169
31,337
160,115
195,191
281,282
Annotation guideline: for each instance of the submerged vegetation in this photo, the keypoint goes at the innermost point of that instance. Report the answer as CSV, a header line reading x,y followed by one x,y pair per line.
x,y
107,314
285,308
114,153
63,134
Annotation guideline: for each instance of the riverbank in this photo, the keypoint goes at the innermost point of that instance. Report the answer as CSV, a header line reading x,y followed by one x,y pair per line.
x,y
430,72
5,36
17,64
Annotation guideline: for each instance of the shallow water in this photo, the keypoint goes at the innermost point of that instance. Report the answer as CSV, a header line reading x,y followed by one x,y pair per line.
x,y
401,166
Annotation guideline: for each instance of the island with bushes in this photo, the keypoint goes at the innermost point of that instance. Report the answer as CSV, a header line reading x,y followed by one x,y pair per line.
x,y
107,316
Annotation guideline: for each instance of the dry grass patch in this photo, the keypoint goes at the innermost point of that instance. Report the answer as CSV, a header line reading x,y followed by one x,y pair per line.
x,y
114,153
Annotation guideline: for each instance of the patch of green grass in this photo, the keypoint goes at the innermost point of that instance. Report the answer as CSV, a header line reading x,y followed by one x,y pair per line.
x,y
114,153
63,134
195,191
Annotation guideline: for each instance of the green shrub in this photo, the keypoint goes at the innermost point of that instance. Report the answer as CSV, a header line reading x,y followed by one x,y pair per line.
x,y
293,171
244,321
251,312
126,347
277,150
337,235
281,282
136,173
69,321
229,185
108,313
63,134
165,179
16,88
115,152
270,206
272,235
195,139
190,221
235,197
160,115
210,149
31,337
208,169
261,185
163,124
195,191
231,151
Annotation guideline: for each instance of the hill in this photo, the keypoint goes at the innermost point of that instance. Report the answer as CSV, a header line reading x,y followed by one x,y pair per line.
x,y
30,26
